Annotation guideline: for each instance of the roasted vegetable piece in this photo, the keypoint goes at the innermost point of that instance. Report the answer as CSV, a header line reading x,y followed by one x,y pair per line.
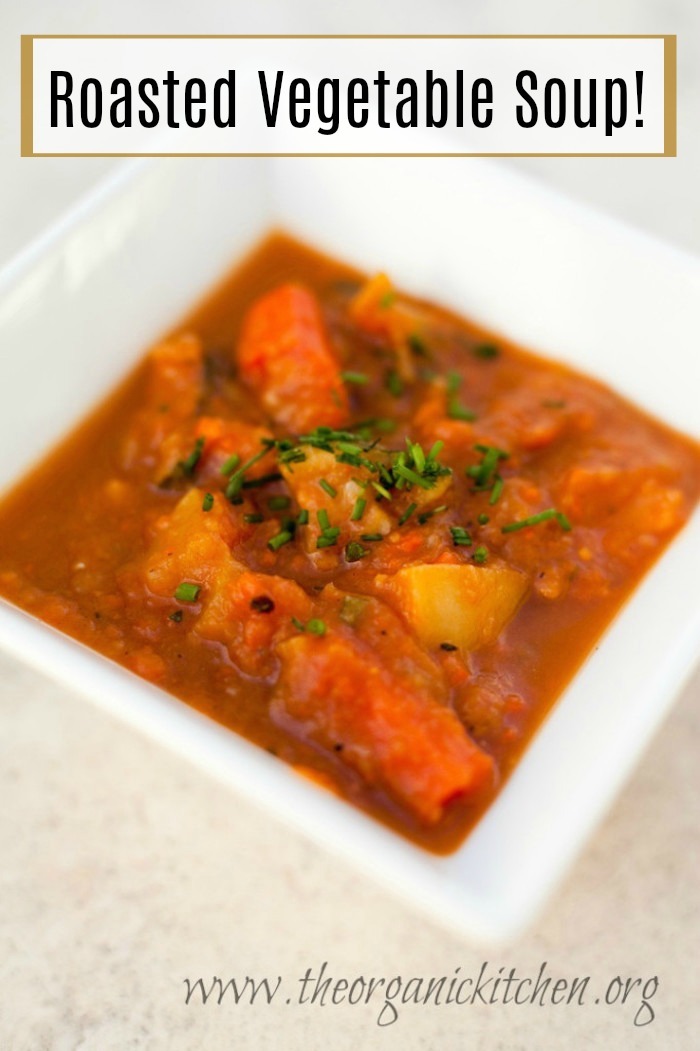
x,y
333,693
249,613
463,604
173,388
191,544
338,498
285,357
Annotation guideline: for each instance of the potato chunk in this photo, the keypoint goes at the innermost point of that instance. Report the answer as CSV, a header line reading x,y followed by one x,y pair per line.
x,y
466,605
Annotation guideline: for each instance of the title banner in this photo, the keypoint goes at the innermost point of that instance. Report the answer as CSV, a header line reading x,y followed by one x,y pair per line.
x,y
302,96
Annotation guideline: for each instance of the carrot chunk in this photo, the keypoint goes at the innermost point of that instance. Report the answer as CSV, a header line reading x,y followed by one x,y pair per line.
x,y
393,732
285,357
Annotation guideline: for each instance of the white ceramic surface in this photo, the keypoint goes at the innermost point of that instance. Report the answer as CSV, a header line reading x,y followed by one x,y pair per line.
x,y
78,308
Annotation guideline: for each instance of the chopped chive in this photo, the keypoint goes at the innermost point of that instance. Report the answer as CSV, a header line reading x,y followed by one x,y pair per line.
x,y
279,540
294,455
457,411
460,536
483,519
417,345
255,483
480,555
229,465
386,300
332,533
253,519
278,503
543,516
237,482
385,426
326,541
497,490
484,473
394,383
354,551
323,519
316,627
407,513
427,515
359,378
298,624
349,447
412,476
454,382
176,615
303,517
435,451
189,464
381,490
358,510
187,592
208,502
486,350
328,488
369,537
233,489
417,454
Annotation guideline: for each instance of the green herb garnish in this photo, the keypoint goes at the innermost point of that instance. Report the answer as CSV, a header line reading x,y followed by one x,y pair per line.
x,y
187,592
485,350
358,510
455,409
543,516
394,383
328,488
425,516
354,551
229,465
316,627
358,378
188,465
208,502
279,540
407,513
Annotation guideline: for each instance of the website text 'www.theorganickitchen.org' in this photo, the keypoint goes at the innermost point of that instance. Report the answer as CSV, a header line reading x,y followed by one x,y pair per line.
x,y
390,997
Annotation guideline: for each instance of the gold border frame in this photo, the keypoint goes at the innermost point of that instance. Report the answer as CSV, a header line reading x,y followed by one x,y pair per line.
x,y
27,85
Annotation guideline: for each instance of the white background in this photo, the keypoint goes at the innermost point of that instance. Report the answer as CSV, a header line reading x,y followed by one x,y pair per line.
x,y
123,870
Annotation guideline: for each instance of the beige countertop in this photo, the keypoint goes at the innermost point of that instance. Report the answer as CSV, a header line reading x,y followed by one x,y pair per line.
x,y
125,871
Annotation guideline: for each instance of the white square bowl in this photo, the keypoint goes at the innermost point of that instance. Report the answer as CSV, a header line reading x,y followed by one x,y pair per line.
x,y
78,308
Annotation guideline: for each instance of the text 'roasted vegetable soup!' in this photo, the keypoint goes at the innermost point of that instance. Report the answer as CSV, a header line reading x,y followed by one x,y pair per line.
x,y
353,528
